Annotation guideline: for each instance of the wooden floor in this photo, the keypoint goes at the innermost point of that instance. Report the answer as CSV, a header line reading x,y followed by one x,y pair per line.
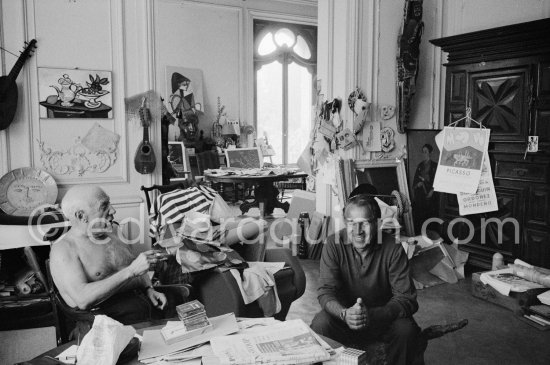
x,y
493,336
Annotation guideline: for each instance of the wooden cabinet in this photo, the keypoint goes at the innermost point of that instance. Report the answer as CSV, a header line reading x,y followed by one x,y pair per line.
x,y
503,75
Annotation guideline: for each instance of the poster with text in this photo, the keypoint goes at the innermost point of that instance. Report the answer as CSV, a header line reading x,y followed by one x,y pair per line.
x,y
461,160
485,198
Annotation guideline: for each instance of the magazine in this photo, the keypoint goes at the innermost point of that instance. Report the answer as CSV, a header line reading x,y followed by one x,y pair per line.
x,y
290,342
504,281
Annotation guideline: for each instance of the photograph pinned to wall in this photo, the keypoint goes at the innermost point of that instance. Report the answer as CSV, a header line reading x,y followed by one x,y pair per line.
x,y
178,159
70,93
371,137
423,156
184,87
533,144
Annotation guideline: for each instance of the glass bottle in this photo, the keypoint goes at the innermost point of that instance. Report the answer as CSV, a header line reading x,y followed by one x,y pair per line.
x,y
303,222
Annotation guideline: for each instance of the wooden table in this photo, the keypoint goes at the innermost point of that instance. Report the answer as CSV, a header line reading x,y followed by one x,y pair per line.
x,y
265,194
49,356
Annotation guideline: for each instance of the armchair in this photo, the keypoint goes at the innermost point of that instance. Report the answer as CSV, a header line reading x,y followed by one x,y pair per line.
x,y
220,294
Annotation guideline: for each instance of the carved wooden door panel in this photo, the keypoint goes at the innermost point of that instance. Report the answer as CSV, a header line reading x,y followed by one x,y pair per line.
x,y
541,103
497,98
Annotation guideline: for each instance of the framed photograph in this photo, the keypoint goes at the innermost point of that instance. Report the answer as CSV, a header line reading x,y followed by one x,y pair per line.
x,y
178,159
70,93
423,156
246,158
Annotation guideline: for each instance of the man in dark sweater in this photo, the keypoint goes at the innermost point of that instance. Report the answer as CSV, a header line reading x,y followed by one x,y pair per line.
x,y
366,292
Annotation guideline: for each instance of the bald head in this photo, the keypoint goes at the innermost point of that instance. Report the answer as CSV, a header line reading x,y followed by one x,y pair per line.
x,y
81,198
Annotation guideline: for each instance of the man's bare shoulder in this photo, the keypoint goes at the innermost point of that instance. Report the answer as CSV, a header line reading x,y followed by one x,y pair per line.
x,y
63,249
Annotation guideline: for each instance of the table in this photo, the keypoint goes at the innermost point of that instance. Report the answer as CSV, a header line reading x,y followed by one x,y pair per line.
x,y
77,110
265,194
45,358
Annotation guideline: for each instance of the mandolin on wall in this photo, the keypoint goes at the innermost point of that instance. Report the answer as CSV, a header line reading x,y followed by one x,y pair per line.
x,y
145,160
8,87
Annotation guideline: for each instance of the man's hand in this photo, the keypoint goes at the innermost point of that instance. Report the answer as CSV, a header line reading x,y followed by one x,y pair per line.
x,y
158,299
143,263
357,316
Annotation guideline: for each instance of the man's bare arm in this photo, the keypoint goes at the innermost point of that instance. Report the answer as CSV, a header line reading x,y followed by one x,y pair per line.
x,y
69,277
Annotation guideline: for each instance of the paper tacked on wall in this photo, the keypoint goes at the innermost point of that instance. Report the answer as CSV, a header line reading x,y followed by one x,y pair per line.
x,y
461,160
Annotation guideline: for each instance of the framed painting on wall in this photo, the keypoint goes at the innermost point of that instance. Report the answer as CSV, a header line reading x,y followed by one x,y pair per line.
x,y
423,154
185,99
69,93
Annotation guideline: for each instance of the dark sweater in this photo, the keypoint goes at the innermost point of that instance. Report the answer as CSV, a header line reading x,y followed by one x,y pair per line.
x,y
382,279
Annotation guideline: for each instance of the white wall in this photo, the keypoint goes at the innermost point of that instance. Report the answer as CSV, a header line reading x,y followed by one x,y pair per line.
x,y
135,40
365,55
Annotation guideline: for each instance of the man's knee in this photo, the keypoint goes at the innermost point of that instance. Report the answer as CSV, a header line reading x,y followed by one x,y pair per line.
x,y
404,328
321,323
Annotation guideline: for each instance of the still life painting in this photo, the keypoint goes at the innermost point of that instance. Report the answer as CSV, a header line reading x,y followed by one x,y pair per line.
x,y
70,93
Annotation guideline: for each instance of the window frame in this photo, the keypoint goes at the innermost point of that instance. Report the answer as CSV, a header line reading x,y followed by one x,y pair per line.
x,y
285,56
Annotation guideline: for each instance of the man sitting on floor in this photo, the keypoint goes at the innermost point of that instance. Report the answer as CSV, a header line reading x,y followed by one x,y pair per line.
x,y
366,292
93,268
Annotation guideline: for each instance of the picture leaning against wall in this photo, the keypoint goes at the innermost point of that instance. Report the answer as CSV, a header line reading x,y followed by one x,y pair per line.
x,y
423,155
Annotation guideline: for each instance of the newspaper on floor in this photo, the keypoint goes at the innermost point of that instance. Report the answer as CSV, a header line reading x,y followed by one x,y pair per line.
x,y
290,342
504,281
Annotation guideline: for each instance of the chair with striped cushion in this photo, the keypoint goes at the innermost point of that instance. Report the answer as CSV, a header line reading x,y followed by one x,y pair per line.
x,y
218,291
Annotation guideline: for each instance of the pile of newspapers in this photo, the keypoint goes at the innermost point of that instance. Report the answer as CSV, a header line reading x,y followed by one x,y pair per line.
x,y
242,341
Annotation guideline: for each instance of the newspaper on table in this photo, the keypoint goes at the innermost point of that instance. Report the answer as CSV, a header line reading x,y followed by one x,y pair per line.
x,y
485,198
289,342
504,281
461,160
154,347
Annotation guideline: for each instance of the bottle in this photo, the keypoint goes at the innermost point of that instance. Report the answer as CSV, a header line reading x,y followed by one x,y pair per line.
x,y
498,261
303,222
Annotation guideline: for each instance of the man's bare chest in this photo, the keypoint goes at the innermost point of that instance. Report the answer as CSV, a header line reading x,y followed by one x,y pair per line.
x,y
102,260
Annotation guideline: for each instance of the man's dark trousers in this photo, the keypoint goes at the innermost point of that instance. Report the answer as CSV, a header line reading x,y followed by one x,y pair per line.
x,y
401,335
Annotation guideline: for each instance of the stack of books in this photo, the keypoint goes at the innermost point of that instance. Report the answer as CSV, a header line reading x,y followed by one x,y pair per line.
x,y
193,321
539,314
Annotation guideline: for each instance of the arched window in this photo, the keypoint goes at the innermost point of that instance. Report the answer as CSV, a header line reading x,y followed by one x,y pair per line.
x,y
285,63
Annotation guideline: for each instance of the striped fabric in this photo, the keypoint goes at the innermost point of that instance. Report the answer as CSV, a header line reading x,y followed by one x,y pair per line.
x,y
171,207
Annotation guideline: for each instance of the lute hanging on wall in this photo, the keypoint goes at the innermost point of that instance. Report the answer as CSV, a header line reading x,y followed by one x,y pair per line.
x,y
145,160
8,87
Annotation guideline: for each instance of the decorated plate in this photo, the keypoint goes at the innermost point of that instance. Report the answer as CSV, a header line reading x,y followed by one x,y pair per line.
x,y
25,189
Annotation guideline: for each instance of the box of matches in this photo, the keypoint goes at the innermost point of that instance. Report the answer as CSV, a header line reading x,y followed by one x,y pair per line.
x,y
190,309
351,356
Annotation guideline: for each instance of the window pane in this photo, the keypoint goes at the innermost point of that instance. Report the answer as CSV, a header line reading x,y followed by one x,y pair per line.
x,y
299,110
267,45
285,36
301,48
269,106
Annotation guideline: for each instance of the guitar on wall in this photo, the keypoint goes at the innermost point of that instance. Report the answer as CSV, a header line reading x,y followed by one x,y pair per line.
x,y
145,160
8,87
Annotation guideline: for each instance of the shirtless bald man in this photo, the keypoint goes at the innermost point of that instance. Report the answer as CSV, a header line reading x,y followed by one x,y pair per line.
x,y
93,268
